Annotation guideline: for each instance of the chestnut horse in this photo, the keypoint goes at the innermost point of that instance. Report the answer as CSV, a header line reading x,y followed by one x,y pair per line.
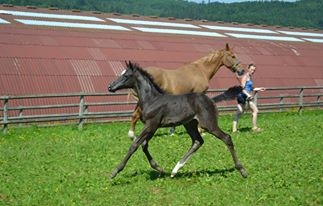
x,y
192,77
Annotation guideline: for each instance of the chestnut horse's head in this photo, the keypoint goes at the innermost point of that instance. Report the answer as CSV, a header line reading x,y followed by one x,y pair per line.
x,y
230,60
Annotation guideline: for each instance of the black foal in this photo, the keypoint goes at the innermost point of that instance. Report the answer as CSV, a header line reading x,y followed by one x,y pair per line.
x,y
166,110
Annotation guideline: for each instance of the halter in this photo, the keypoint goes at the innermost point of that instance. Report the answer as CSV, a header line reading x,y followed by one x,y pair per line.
x,y
235,67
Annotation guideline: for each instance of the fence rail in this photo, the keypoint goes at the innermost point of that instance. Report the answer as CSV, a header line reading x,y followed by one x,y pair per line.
x,y
104,107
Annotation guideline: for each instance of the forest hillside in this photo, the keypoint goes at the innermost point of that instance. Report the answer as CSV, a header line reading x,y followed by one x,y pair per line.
x,y
303,13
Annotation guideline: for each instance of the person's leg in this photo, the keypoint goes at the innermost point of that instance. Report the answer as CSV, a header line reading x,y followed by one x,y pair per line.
x,y
236,117
254,110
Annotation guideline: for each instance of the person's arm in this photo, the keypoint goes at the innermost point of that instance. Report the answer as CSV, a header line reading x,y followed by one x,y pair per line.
x,y
259,89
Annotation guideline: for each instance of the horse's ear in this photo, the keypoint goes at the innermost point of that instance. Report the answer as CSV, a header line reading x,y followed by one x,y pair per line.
x,y
130,65
227,47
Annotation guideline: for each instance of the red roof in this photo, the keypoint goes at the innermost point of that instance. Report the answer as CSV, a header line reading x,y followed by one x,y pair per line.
x,y
56,51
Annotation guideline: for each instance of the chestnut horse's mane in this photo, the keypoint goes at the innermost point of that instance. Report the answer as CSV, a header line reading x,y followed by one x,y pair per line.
x,y
210,57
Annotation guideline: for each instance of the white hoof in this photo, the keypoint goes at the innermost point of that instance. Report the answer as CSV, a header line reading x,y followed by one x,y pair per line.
x,y
131,134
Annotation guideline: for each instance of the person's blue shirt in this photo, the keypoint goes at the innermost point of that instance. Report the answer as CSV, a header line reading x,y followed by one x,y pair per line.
x,y
242,97
249,85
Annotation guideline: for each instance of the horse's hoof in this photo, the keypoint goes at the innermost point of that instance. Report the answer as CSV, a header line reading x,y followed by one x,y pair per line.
x,y
243,173
172,175
131,134
161,171
113,174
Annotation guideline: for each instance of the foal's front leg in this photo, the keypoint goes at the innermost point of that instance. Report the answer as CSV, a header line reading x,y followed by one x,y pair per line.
x,y
151,161
147,133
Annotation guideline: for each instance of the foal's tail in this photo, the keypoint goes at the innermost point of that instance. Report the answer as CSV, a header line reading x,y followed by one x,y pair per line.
x,y
231,93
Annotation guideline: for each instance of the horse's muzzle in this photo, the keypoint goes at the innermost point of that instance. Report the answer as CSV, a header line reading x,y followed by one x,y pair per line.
x,y
110,89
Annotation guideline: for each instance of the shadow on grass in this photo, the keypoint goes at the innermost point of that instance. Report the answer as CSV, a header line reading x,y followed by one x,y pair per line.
x,y
154,175
202,173
245,129
165,133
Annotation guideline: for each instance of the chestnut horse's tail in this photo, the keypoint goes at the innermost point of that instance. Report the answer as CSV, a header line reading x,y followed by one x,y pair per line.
x,y
230,94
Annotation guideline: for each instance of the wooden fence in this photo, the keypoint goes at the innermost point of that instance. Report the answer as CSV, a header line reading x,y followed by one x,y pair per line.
x,y
106,107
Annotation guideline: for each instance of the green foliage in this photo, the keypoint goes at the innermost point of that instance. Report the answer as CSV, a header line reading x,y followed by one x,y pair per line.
x,y
303,13
61,165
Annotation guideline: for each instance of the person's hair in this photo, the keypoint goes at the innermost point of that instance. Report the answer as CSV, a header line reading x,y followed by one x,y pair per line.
x,y
250,65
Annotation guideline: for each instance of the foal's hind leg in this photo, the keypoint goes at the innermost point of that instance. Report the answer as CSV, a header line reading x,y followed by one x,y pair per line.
x,y
226,138
197,142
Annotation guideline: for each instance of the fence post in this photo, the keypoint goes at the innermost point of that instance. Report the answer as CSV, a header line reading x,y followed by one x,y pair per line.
x,y
300,101
5,115
20,114
81,112
281,103
318,99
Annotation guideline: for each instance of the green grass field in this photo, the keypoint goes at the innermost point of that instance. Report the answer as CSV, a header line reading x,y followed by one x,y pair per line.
x,y
61,165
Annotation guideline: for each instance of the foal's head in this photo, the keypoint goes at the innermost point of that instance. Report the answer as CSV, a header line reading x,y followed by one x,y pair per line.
x,y
125,80
130,77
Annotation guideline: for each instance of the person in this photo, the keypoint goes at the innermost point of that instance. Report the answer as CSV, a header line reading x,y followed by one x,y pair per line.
x,y
245,98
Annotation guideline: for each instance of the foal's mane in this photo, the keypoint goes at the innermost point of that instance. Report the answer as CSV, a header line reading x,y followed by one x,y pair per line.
x,y
147,75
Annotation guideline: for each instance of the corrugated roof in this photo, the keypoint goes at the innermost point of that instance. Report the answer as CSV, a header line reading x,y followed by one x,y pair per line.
x,y
58,51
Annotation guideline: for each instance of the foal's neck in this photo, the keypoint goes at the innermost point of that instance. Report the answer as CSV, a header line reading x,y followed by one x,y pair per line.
x,y
146,90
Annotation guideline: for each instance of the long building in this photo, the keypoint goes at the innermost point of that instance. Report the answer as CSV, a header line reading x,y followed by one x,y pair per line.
x,y
47,50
